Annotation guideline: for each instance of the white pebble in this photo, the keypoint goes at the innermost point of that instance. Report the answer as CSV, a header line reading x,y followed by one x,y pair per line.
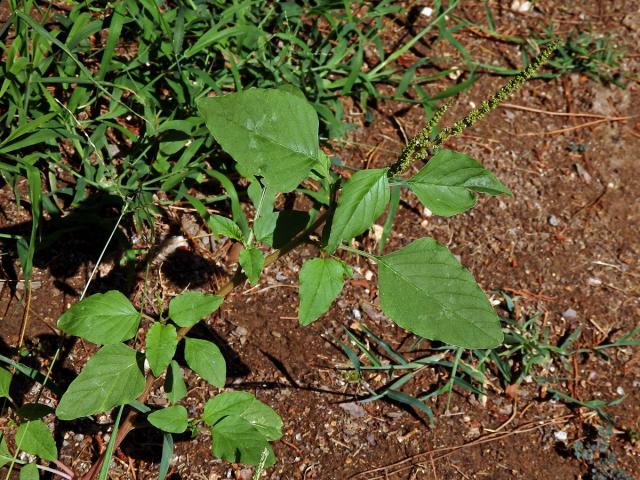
x,y
520,6
594,281
620,391
356,314
426,11
569,314
561,436
368,275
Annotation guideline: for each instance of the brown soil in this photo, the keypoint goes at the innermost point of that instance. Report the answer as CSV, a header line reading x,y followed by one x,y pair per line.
x,y
567,239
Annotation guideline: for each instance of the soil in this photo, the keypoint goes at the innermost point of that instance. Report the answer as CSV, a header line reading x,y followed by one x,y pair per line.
x,y
566,240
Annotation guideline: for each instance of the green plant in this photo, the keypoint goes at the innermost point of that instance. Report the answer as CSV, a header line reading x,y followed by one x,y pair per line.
x,y
597,455
272,136
527,355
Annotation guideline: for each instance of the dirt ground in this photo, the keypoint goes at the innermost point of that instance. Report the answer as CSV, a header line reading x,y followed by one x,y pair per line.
x,y
566,240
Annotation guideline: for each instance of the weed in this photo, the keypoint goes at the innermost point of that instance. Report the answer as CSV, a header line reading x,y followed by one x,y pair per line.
x,y
597,455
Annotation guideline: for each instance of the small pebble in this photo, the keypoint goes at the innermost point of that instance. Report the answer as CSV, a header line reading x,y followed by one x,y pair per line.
x,y
368,275
276,334
620,391
569,314
561,436
594,281
521,7
553,221
280,277
298,437
426,11
353,409
356,314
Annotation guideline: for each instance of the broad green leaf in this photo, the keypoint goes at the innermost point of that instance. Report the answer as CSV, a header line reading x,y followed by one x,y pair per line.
x,y
29,472
445,184
363,199
112,377
5,454
5,382
269,132
224,226
170,419
34,437
174,386
424,289
161,343
103,318
206,360
252,262
34,411
189,308
237,441
321,281
245,405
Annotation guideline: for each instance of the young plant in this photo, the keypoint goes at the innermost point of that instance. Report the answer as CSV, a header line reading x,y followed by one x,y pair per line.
x,y
273,137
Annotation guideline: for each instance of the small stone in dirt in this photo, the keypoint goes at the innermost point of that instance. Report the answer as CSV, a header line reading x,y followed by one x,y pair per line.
x,y
569,314
241,331
620,391
280,277
245,474
276,334
353,409
553,221
594,281
560,436
521,7
426,11
298,437
371,439
356,314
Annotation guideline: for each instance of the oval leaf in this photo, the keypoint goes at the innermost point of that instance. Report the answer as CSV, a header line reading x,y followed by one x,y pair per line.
x,y
171,419
112,377
269,132
363,199
161,343
445,184
424,289
103,318
321,281
237,441
5,382
252,261
245,405
174,387
34,437
189,308
29,472
206,360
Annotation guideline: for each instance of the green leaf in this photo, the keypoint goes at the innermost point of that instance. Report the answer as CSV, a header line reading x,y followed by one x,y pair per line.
x,y
103,318
112,377
243,404
252,262
424,289
206,360
161,343
445,184
34,411
34,437
29,472
269,132
363,199
237,441
321,281
224,226
170,419
174,386
5,382
189,308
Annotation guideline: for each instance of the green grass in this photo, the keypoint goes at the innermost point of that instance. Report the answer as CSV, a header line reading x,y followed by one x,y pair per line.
x,y
528,355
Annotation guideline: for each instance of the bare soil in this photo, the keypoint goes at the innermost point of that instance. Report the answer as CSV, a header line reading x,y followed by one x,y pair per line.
x,y
567,239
